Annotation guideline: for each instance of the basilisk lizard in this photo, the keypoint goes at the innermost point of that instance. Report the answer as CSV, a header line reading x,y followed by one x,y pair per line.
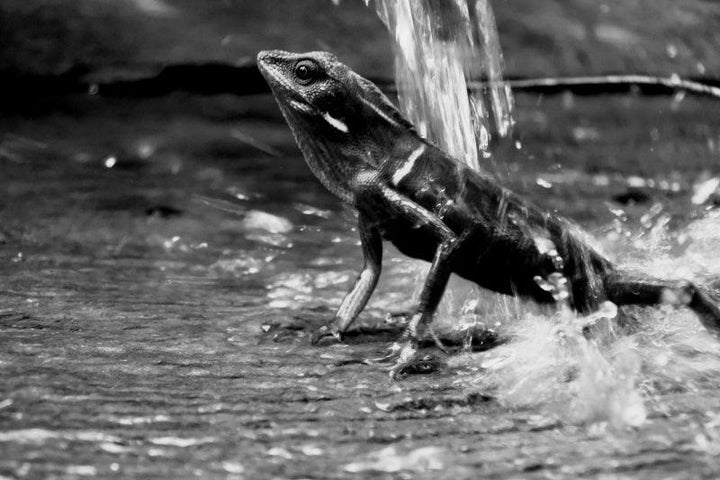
x,y
433,207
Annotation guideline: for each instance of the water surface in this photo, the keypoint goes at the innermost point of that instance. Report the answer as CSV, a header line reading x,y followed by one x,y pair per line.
x,y
164,261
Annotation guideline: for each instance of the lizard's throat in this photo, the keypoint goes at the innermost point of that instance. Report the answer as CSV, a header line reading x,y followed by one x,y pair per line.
x,y
325,156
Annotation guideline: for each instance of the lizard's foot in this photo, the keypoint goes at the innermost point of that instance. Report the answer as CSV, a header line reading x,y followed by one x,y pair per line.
x,y
704,306
404,357
328,331
386,360
407,357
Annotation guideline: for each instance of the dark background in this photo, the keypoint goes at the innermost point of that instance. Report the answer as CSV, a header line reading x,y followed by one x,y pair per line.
x,y
114,39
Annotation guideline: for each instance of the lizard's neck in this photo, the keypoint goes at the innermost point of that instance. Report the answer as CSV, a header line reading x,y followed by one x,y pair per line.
x,y
372,140
382,141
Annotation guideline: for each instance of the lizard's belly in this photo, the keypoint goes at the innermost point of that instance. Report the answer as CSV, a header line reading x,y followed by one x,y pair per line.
x,y
412,240
507,266
502,264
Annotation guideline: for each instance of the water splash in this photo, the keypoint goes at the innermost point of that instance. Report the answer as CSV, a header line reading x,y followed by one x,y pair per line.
x,y
550,363
439,48
608,378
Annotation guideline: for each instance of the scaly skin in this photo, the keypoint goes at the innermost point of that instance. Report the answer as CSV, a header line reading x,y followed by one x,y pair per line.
x,y
433,207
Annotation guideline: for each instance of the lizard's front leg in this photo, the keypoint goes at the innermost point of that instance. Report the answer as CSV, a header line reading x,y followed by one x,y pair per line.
x,y
358,296
375,200
379,200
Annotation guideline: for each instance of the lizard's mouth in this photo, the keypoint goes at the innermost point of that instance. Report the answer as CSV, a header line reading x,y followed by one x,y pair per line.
x,y
271,64
303,107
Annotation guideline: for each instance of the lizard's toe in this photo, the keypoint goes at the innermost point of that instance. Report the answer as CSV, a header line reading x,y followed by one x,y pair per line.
x,y
404,357
326,333
388,359
407,356
410,361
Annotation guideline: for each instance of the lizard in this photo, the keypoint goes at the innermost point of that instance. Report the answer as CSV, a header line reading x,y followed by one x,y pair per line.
x,y
433,207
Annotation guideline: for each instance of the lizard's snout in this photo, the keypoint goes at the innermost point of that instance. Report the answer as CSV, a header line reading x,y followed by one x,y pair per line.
x,y
263,57
267,63
273,57
272,63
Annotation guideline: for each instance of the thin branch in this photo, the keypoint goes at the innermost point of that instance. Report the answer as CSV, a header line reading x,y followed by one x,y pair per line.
x,y
673,82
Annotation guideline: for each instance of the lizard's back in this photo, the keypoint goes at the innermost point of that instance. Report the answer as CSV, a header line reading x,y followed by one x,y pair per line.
x,y
516,238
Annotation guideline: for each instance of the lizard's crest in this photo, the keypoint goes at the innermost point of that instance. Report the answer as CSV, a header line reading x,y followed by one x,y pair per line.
x,y
342,122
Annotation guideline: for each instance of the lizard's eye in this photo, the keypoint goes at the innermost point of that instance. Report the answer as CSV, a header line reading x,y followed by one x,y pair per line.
x,y
305,71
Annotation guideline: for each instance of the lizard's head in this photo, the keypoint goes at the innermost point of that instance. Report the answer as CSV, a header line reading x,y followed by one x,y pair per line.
x,y
313,88
340,120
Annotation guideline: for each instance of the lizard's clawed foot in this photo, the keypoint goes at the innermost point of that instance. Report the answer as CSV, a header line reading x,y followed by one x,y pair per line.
x,y
404,357
328,332
388,359
408,355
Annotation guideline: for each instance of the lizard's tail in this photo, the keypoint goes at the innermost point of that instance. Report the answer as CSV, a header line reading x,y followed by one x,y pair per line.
x,y
627,289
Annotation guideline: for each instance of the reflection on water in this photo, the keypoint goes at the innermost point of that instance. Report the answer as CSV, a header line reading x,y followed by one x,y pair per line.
x,y
155,314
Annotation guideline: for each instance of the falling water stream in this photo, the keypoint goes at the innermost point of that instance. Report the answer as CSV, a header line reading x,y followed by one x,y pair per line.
x,y
439,48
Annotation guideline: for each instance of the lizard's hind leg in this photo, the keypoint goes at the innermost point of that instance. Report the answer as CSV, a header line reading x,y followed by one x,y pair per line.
x,y
406,351
627,289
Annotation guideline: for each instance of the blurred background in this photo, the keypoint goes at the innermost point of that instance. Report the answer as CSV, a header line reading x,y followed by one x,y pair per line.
x,y
106,40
